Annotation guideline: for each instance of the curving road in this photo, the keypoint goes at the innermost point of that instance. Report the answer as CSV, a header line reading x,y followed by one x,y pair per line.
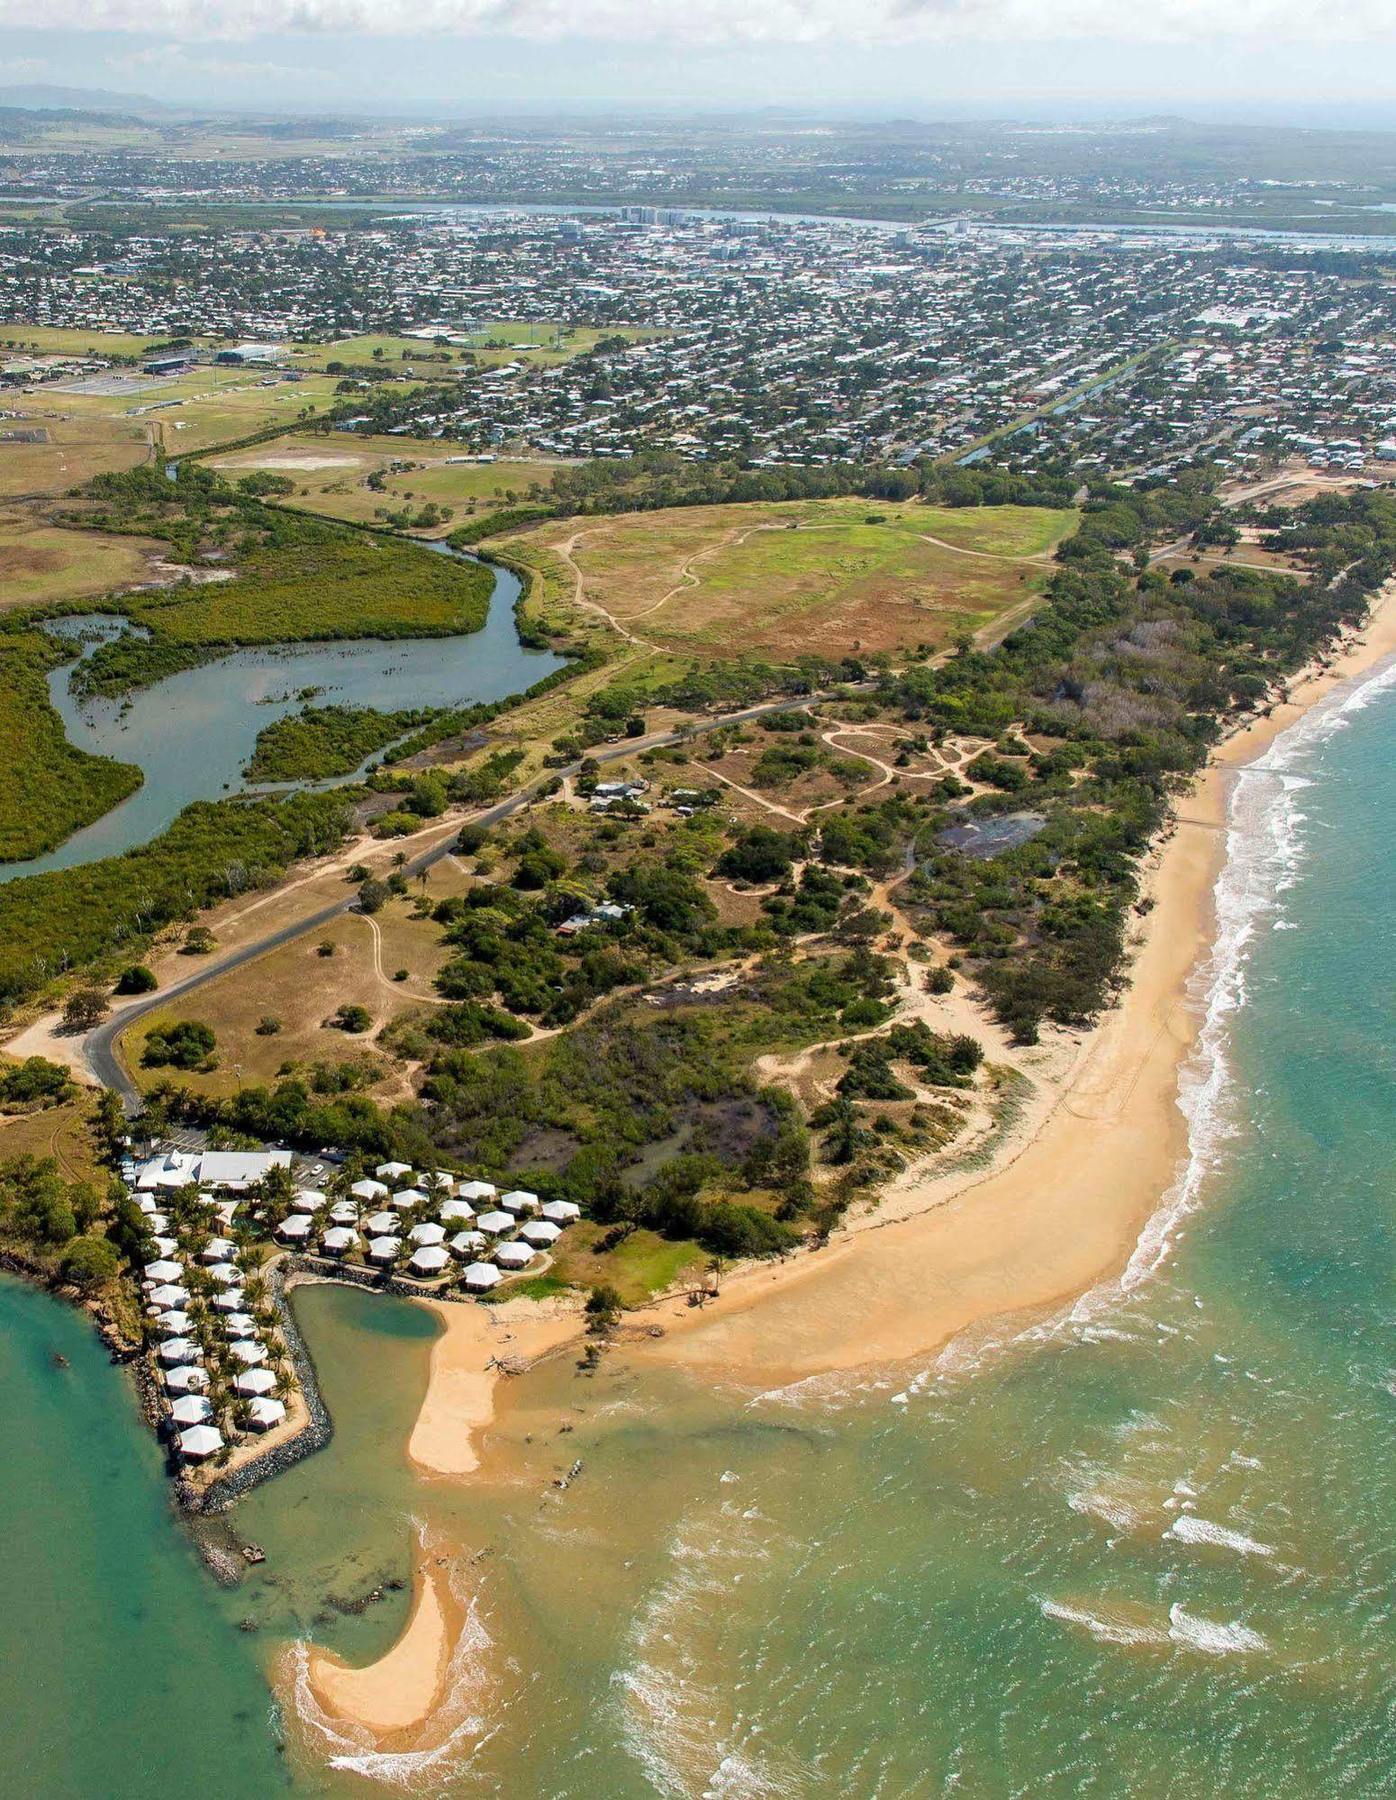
x,y
99,1047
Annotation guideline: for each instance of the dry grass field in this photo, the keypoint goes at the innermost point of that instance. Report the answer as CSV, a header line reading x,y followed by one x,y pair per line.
x,y
40,563
332,475
68,451
817,576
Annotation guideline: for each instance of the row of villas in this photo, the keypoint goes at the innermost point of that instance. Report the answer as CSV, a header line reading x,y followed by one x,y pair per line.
x,y
217,1349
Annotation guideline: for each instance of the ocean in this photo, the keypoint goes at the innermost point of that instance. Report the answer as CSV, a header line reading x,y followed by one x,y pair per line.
x,y
1147,1548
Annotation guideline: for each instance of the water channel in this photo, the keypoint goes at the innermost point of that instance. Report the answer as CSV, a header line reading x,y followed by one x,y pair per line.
x,y
192,733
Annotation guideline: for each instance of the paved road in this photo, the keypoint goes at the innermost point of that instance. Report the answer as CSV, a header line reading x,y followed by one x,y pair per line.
x,y
99,1048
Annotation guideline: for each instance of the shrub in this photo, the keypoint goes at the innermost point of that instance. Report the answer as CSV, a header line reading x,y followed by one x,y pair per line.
x,y
136,979
187,1045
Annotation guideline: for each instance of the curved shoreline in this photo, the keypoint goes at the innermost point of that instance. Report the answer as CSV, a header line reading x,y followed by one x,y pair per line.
x,y
1065,1203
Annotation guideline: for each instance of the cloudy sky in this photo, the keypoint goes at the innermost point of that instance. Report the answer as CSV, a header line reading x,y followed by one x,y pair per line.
x,y
1330,63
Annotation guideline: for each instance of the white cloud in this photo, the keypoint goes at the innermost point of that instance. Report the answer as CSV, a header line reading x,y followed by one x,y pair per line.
x,y
721,22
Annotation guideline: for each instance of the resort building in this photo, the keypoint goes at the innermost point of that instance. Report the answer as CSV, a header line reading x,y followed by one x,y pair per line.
x,y
429,1260
200,1442
481,1277
265,1413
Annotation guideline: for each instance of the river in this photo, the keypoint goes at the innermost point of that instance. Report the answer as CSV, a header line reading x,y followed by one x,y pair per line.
x,y
193,733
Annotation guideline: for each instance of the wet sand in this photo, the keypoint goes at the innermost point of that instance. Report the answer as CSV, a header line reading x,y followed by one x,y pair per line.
x,y
465,1372
1064,1204
401,1689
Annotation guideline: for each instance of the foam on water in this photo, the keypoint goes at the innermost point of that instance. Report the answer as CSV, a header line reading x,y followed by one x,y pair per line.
x,y
1105,1629
455,1729
1210,1637
1189,1529
1265,849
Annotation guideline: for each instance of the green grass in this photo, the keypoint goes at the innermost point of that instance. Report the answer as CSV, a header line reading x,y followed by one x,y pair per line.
x,y
50,789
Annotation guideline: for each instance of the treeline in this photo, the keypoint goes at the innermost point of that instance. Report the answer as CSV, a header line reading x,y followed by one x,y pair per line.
x,y
71,917
1123,680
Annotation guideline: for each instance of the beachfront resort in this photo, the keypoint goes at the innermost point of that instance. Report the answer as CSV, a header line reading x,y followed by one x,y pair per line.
x,y
224,1232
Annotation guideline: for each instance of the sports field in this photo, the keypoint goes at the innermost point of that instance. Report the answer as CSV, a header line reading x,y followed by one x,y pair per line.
x,y
493,342
824,577
64,453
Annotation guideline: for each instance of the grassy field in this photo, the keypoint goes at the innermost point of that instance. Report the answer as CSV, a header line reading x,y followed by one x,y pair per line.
x,y
517,340
300,988
332,475
40,563
72,452
58,340
816,576
207,406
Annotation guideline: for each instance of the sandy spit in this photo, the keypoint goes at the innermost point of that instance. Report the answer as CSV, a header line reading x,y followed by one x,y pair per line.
x,y
1064,1205
401,1689
478,1347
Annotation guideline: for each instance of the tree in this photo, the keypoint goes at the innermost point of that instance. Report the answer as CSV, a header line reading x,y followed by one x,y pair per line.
x,y
84,1008
136,979
189,1044
89,1262
373,896
602,1309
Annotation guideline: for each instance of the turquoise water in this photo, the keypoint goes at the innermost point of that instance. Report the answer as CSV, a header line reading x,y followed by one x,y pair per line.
x,y
1147,1550
192,733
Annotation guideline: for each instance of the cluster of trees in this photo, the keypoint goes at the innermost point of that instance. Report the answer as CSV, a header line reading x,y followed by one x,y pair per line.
x,y
323,741
189,1044
55,1221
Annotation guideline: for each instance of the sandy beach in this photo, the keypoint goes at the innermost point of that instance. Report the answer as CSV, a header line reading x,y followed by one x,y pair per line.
x,y
479,1347
401,1689
1063,1205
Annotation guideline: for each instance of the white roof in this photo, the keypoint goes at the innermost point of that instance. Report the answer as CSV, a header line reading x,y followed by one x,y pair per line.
x,y
561,1212
384,1249
409,1197
339,1239
392,1171
231,1300
344,1212
226,1274
466,1243
519,1200
265,1412
190,1409
476,1190
200,1440
310,1199
369,1190
297,1226
239,1168
482,1275
495,1223
178,1350
168,1294
247,1351
165,1246
457,1209
174,1323
172,1169
380,1224
162,1269
187,1378
541,1231
431,1259
514,1256
427,1233
253,1381
240,1325
219,1249
157,1221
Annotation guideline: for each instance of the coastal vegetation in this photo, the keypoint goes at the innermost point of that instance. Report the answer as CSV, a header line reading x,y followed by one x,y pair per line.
x,y
51,788
324,741
293,579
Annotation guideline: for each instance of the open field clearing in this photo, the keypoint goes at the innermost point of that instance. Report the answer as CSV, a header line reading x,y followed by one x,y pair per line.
x,y
56,340
206,406
45,455
493,342
824,577
42,562
332,475
300,989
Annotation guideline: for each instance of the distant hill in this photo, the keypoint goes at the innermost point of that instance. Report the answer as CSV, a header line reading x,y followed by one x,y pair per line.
x,y
39,97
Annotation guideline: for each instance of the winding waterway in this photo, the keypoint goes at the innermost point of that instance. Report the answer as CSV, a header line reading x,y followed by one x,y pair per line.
x,y
192,733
